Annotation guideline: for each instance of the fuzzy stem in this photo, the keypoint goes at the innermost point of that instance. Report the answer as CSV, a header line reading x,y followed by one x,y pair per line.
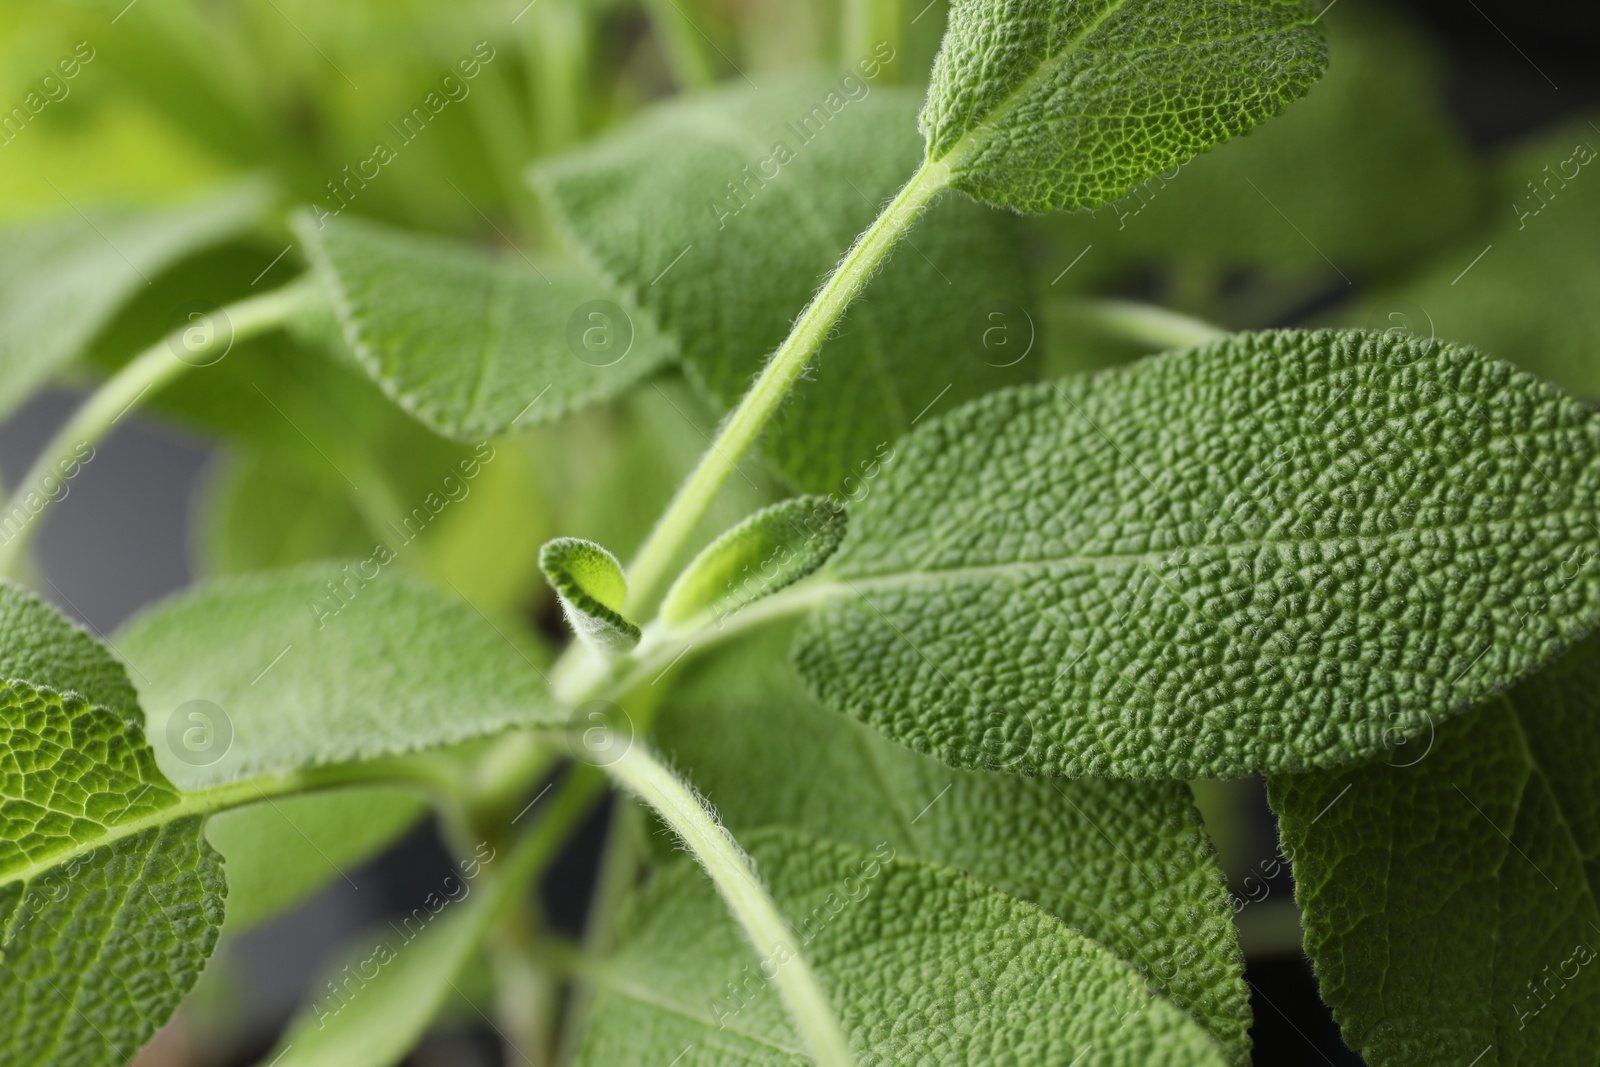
x,y
740,430
144,374
733,876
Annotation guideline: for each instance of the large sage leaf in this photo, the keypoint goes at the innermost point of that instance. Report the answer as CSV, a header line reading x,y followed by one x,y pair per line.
x,y
1043,105
326,663
922,964
1123,863
471,343
1450,889
723,212
63,279
1275,552
110,899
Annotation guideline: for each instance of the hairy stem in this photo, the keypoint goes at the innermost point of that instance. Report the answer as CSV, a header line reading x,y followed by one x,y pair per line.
x,y
1143,324
741,429
731,872
122,392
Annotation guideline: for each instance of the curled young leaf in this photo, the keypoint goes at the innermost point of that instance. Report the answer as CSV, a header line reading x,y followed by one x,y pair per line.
x,y
589,582
1048,105
775,547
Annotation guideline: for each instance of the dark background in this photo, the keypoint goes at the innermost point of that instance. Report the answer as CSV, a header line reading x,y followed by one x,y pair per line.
x,y
120,539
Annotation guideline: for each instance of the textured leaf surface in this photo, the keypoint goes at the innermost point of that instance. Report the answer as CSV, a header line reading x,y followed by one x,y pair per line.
x,y
100,941
771,549
1366,167
61,280
1449,891
282,851
1124,863
756,243
1043,105
40,643
470,343
1267,553
922,964
318,664
1530,297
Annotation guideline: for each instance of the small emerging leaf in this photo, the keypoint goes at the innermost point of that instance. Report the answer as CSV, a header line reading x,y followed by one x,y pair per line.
x,y
1047,105
775,547
590,584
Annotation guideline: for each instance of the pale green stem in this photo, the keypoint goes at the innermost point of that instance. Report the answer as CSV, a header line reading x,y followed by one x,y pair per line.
x,y
741,429
868,24
683,43
122,392
1143,324
731,872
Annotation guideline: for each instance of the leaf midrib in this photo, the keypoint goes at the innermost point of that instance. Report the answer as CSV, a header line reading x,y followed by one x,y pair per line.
x,y
891,579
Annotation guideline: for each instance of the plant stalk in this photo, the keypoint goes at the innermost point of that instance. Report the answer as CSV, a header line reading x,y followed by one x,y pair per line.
x,y
741,429
683,44
1143,324
122,392
733,876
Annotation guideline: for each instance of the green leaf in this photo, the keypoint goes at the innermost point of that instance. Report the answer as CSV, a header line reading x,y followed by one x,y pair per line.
x,y
110,899
40,643
260,513
1365,171
773,548
1043,105
280,852
1275,552
922,964
1124,863
373,1009
326,664
590,584
1449,891
62,279
471,343
1522,286
723,211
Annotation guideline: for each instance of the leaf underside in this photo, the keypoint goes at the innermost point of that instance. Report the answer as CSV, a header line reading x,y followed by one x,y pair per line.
x,y
1275,552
